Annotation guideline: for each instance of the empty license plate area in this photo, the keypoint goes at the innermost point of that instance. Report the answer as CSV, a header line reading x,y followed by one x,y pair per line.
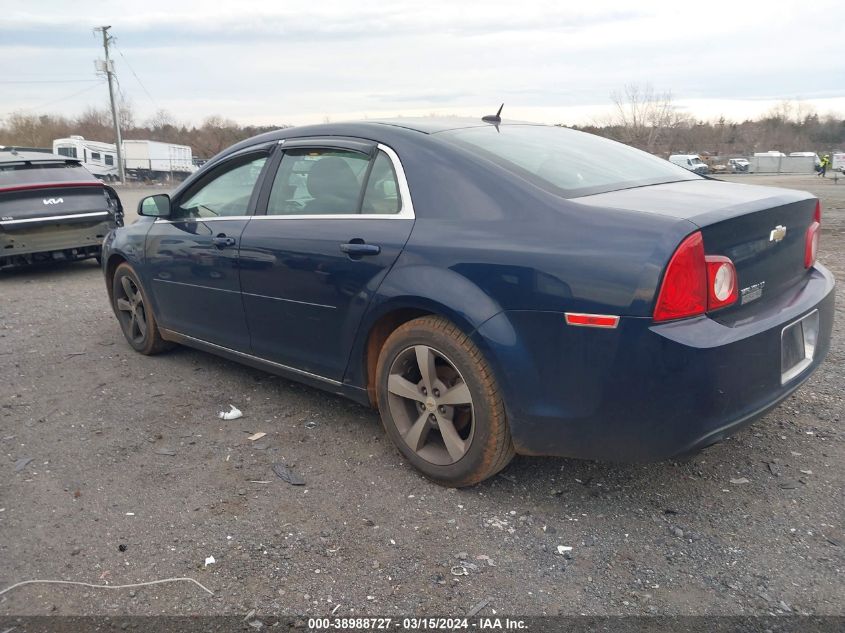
x,y
798,346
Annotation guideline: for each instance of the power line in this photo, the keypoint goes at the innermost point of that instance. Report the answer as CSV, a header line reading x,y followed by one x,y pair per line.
x,y
47,81
70,96
134,74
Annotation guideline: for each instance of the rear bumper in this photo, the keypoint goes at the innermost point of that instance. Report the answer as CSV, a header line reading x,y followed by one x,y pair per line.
x,y
25,241
643,391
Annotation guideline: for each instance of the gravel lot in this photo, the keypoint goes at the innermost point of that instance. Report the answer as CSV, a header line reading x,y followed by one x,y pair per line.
x,y
133,478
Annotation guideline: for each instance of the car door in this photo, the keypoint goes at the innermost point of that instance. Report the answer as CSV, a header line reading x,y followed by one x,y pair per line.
x,y
193,255
333,218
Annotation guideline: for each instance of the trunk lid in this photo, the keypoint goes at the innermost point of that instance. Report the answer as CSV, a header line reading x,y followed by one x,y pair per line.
x,y
761,229
27,208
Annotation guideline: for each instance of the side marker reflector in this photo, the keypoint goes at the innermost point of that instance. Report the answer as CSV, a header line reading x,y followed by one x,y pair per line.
x,y
592,320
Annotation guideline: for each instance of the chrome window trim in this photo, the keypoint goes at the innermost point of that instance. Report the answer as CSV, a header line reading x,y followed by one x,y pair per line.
x,y
406,213
216,218
51,218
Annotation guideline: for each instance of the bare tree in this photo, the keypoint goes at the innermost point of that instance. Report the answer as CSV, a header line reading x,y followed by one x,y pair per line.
x,y
160,120
216,134
643,116
126,115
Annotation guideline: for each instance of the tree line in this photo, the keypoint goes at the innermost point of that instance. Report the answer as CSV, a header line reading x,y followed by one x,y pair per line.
x,y
213,135
650,120
641,117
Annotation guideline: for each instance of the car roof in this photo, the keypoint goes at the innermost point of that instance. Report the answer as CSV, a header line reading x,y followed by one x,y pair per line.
x,y
380,130
11,155
432,125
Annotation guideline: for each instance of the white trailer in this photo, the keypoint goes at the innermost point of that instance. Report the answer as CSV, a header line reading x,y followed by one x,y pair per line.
x,y
98,158
837,161
774,164
152,160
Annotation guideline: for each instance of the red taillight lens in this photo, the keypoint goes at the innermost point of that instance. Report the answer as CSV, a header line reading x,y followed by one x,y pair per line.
x,y
811,241
591,320
684,290
721,282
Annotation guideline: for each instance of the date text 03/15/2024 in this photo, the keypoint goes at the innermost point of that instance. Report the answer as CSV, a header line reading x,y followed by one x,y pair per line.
x,y
416,624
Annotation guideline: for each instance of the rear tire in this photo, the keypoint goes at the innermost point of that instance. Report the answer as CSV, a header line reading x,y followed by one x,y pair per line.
x,y
134,312
440,404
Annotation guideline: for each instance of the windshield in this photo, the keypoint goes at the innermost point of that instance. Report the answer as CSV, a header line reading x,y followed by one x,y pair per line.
x,y
26,173
564,161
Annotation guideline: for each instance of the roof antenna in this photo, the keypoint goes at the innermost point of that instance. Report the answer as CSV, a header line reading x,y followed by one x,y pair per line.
x,y
494,118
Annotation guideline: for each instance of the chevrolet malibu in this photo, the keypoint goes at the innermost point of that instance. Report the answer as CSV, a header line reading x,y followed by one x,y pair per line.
x,y
490,288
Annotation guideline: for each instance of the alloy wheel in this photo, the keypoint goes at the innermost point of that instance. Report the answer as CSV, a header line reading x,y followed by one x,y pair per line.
x,y
131,310
431,405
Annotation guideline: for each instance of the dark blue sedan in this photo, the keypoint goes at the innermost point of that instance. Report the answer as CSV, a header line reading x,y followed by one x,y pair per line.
x,y
490,288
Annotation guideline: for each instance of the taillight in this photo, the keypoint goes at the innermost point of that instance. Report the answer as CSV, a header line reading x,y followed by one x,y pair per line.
x,y
695,283
811,241
721,282
684,289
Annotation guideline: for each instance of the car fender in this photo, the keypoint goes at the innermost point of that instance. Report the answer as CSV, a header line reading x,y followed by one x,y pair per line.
x,y
124,246
439,291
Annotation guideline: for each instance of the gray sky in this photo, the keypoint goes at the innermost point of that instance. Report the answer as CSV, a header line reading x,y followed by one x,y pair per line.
x,y
303,62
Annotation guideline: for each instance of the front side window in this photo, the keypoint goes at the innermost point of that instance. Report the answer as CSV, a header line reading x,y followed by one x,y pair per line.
x,y
67,151
227,193
563,161
95,156
334,182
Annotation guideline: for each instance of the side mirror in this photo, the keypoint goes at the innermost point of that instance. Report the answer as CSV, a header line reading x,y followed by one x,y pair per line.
x,y
157,206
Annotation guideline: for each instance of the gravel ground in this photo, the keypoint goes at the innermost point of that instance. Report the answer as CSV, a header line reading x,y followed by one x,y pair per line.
x,y
133,478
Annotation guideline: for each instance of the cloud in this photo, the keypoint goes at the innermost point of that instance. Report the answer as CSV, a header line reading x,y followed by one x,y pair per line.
x,y
272,61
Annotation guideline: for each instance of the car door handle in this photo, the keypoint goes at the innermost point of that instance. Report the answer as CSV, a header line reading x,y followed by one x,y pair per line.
x,y
222,241
359,249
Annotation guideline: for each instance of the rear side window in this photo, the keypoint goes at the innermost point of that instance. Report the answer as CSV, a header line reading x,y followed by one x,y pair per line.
x,y
109,159
382,193
333,182
564,161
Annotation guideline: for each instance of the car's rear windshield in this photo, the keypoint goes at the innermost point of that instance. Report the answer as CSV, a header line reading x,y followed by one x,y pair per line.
x,y
566,162
25,173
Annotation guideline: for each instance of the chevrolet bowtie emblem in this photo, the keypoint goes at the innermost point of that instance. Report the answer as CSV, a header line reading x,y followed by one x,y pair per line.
x,y
778,233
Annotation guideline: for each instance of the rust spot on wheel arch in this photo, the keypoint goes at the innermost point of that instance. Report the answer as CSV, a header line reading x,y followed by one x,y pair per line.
x,y
379,333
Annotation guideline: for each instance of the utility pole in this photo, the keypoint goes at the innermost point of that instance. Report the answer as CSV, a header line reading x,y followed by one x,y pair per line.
x,y
108,68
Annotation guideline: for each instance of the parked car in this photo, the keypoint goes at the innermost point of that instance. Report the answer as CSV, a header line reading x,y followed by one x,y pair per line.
x,y
52,208
692,162
738,165
490,288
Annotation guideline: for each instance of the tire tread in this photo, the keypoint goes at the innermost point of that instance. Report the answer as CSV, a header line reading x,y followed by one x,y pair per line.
x,y
500,449
154,344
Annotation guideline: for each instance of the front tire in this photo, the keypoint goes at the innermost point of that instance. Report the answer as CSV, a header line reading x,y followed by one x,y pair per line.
x,y
135,313
440,404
